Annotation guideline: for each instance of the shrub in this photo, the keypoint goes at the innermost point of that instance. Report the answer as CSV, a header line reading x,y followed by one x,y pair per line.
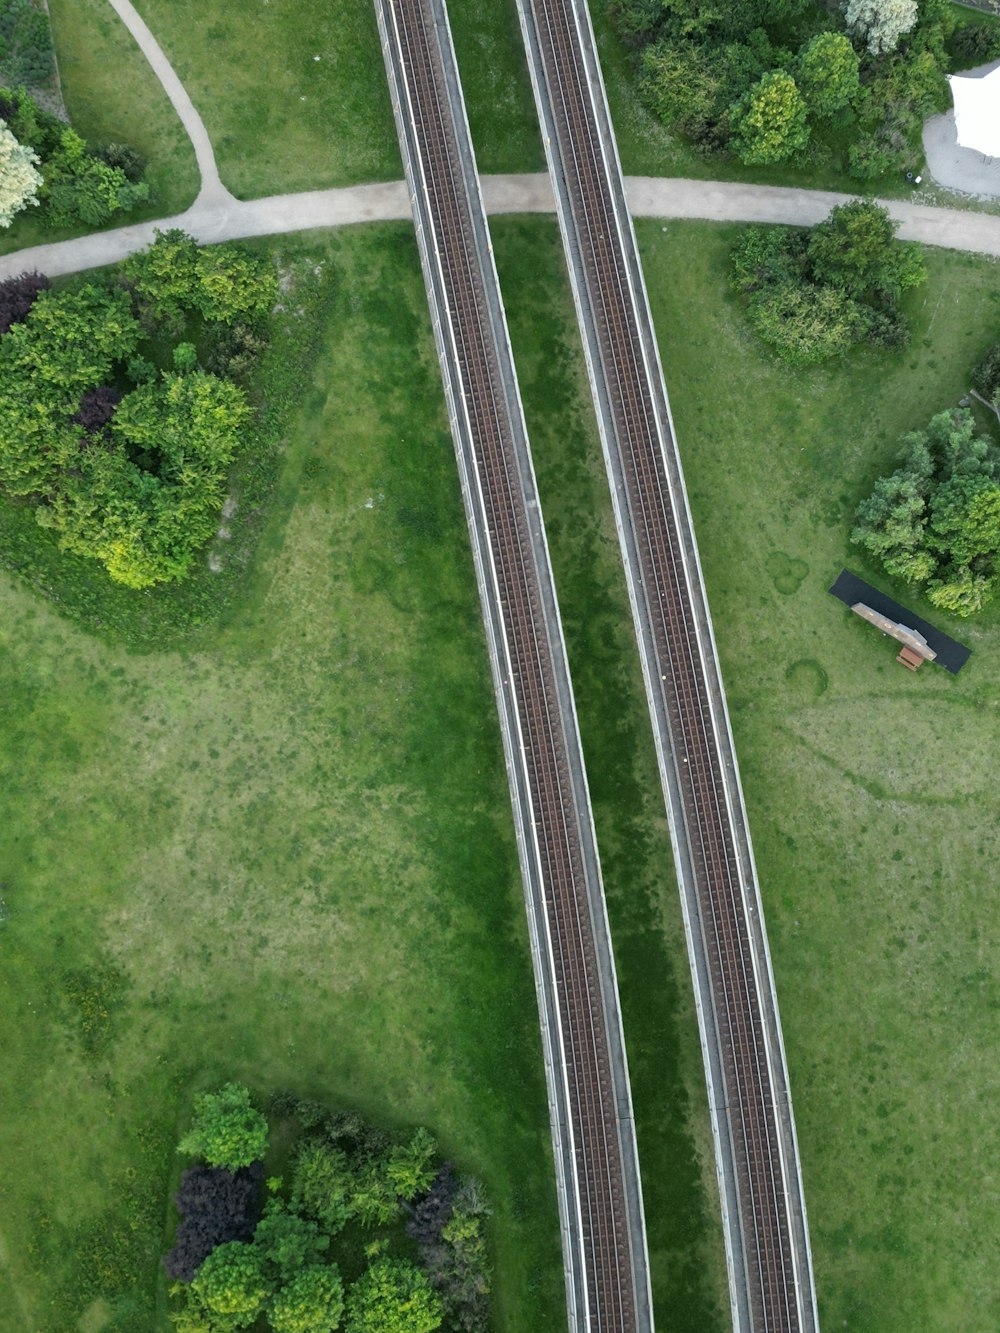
x,y
769,123
125,158
287,1242
322,1185
18,295
25,43
806,325
313,1302
392,1297
216,1205
986,376
79,187
231,1287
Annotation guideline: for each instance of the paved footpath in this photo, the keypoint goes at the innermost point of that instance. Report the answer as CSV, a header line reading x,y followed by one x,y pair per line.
x,y
216,215
220,217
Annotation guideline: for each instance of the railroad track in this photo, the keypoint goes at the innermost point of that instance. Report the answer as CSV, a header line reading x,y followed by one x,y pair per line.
x,y
597,1169
767,1239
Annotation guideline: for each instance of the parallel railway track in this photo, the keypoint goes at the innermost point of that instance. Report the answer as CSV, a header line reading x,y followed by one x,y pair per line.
x,y
604,1239
770,1268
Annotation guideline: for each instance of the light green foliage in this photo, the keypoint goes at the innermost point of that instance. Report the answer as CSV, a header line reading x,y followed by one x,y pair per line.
x,y
144,520
769,124
223,282
313,1302
19,181
410,1168
856,249
827,74
185,358
227,1131
231,1287
392,1297
322,1185
66,345
373,1198
936,520
79,187
805,324
880,23
287,1242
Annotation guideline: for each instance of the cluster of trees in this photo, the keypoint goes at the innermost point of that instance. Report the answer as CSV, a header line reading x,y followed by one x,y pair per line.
x,y
236,1263
126,463
778,80
814,293
26,55
45,162
936,520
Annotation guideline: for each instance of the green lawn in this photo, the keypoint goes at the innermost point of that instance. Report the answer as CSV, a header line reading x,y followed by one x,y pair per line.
x,y
112,95
279,119
279,851
872,792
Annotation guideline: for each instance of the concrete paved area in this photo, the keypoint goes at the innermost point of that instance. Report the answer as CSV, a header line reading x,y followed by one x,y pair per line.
x,y
956,168
220,217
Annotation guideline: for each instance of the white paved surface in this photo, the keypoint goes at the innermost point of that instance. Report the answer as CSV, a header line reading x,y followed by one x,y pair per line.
x,y
958,168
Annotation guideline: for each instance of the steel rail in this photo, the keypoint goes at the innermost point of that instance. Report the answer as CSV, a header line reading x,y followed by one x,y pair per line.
x,y
760,1176
593,1133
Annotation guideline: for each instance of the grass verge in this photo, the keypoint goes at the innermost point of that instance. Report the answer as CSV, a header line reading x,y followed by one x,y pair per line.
x,y
278,852
281,120
668,1086
871,792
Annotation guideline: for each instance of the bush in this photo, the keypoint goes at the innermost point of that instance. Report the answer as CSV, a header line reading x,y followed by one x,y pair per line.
x,y
230,1287
216,1205
986,376
18,295
392,1297
769,123
227,1131
80,187
26,55
322,1186
313,1302
125,158
806,325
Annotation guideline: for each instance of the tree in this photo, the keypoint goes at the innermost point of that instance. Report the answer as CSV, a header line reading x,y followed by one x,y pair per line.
x,y
855,249
392,1297
231,1286
986,376
287,1242
19,181
805,324
936,520
373,1198
79,187
227,1131
880,23
410,1169
313,1302
827,74
216,1206
769,123
322,1185
234,284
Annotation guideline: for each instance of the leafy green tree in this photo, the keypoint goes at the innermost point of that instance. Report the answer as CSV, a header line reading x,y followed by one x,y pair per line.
x,y
827,74
392,1297
936,520
79,187
986,376
164,277
313,1302
231,1286
373,1199
855,249
322,1185
806,325
880,23
410,1169
227,1130
19,181
234,284
769,124
287,1242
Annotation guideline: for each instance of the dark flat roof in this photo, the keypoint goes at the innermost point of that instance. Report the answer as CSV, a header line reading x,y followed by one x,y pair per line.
x,y
850,589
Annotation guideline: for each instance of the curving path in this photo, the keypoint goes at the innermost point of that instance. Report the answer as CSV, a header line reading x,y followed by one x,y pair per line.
x,y
217,216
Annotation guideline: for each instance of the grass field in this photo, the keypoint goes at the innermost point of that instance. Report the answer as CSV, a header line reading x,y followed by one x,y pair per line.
x,y
279,119
872,793
112,95
279,852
